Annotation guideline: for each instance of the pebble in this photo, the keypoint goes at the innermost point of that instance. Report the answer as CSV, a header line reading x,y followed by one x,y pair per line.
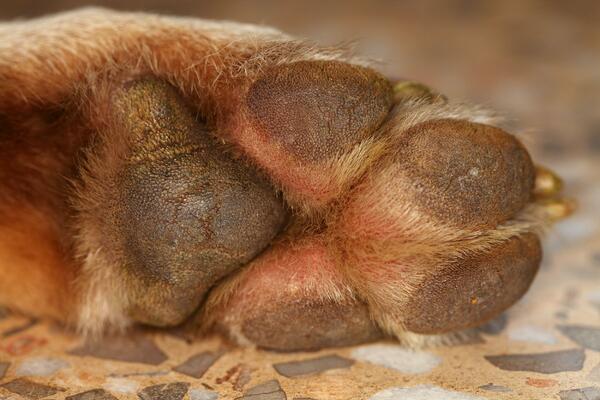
x,y
397,358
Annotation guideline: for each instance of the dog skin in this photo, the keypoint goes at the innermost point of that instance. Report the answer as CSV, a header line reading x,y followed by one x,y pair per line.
x,y
166,171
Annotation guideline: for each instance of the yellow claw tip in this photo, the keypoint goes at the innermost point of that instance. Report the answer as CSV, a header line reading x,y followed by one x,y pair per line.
x,y
410,86
558,209
410,89
547,183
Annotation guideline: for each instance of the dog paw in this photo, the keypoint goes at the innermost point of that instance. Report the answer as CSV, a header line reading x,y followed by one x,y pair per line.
x,y
285,195
405,214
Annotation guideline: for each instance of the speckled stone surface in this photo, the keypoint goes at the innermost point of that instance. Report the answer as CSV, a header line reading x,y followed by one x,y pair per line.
x,y
536,61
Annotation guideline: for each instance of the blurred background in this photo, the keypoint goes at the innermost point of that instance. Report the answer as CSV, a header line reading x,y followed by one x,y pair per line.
x,y
537,62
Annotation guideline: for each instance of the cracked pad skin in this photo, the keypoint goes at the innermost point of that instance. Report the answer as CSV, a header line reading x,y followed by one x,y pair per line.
x,y
189,214
329,106
284,195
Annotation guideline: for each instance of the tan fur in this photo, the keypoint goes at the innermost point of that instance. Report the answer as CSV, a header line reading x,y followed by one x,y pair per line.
x,y
36,272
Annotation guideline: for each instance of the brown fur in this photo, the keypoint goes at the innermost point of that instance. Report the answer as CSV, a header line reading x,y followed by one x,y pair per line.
x,y
386,200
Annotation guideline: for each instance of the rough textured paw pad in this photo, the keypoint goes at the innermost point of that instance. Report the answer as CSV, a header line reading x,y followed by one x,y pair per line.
x,y
188,213
474,289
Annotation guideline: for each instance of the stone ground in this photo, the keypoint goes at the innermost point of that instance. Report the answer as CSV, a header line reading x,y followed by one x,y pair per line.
x,y
538,62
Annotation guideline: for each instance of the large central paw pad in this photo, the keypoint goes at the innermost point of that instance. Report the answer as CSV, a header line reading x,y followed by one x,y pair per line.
x,y
188,212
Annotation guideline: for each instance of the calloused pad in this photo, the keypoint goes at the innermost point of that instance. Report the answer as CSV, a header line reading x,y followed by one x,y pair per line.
x,y
296,119
474,288
188,213
294,298
317,109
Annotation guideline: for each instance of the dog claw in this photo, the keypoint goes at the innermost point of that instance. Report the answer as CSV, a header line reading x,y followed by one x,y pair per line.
x,y
547,183
404,90
557,209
